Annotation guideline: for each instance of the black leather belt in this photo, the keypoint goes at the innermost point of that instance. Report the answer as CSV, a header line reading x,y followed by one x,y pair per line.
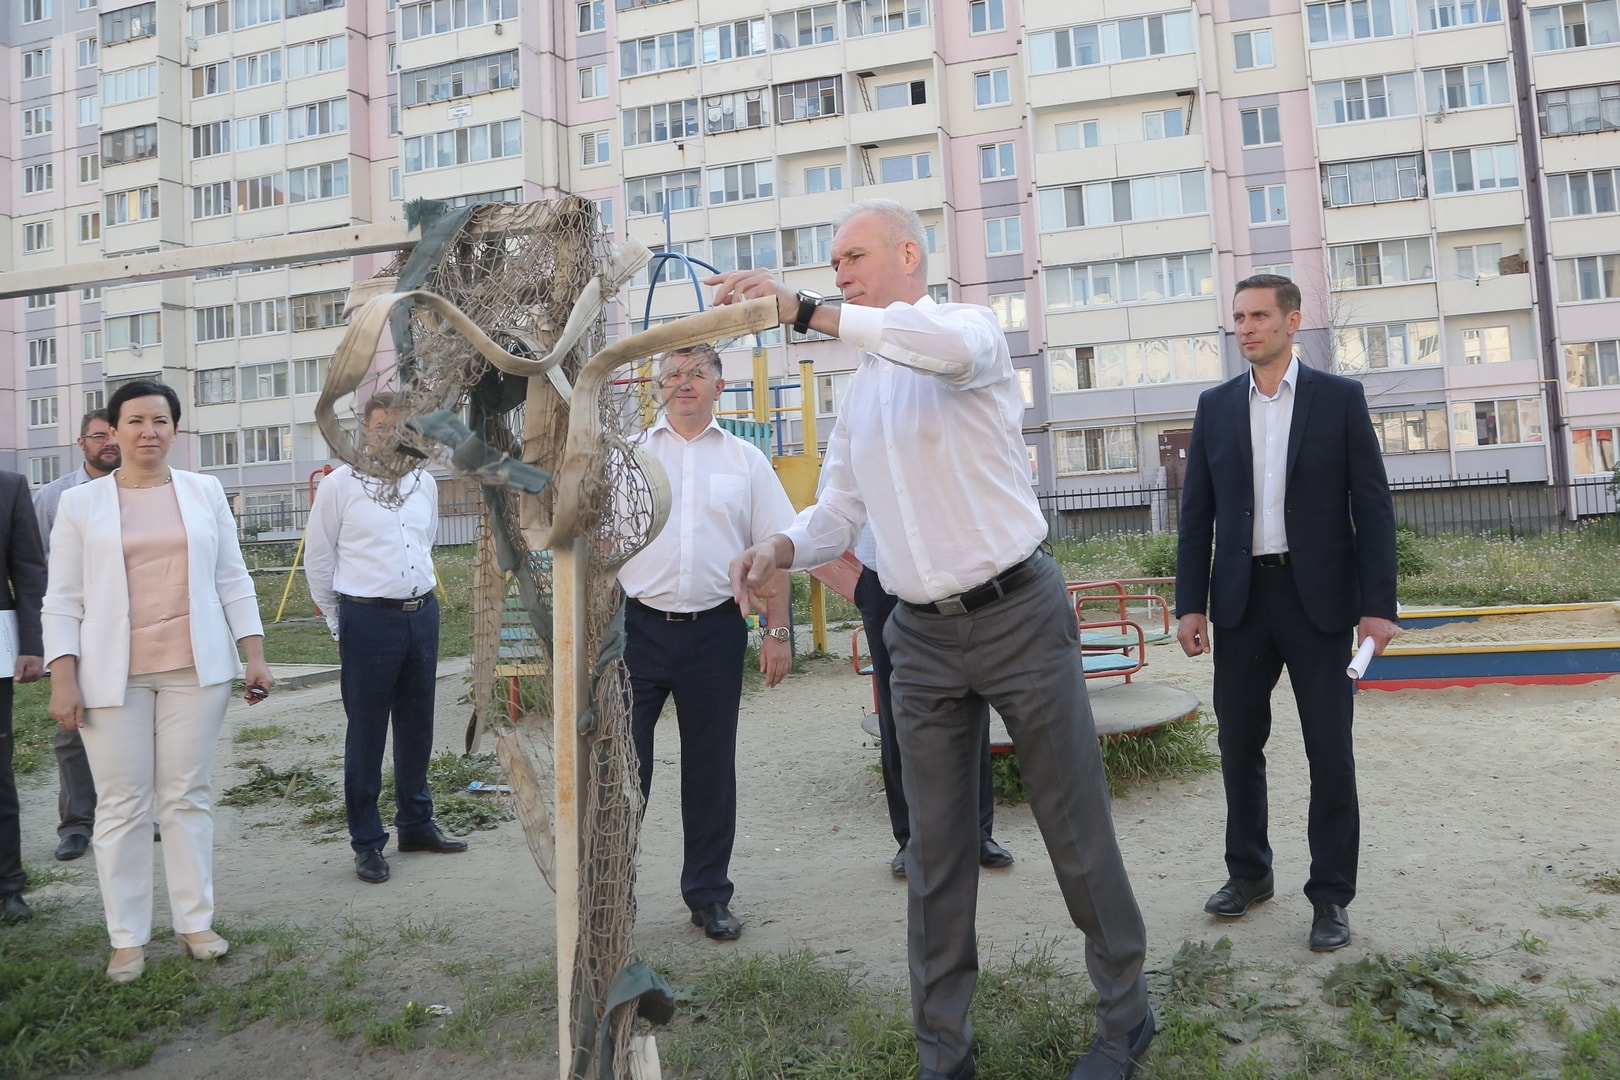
x,y
415,603
728,606
1278,559
977,597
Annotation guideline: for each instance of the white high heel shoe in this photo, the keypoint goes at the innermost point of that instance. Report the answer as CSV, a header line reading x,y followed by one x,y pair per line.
x,y
203,945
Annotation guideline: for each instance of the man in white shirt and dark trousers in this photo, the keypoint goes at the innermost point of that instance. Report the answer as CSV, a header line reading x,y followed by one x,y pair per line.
x,y
370,569
685,635
929,448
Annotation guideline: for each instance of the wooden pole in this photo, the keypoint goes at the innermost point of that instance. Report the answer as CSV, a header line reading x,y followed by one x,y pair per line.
x,y
568,571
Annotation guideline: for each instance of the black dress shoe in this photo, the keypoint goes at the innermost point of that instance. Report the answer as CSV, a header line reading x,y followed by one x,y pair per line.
x,y
73,846
1237,895
431,839
718,922
897,865
1115,1059
14,909
992,856
371,866
1330,928
965,1071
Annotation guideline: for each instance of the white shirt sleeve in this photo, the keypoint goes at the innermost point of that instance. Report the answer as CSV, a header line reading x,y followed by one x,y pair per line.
x,y
827,528
960,344
320,547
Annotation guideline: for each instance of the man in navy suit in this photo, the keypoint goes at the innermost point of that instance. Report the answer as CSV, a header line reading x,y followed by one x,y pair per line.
x,y
1286,482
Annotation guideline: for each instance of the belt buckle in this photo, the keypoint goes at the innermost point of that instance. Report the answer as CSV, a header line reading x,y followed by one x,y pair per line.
x,y
951,606
415,603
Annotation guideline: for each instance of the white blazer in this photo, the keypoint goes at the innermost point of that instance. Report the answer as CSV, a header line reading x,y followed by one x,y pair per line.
x,y
86,612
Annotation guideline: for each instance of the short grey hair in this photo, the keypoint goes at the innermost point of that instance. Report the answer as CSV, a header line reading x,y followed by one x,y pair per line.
x,y
703,349
902,220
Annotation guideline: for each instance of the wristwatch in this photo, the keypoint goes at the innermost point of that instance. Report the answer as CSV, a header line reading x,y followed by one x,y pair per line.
x,y
780,633
808,302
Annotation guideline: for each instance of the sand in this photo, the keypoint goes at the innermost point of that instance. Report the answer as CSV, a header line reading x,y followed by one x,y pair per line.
x,y
1481,808
1601,623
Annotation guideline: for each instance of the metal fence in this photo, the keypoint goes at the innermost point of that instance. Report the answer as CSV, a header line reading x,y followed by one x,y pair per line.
x,y
458,524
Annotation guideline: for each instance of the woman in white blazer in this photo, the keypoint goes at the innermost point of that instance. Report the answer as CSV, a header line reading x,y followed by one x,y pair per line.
x,y
146,602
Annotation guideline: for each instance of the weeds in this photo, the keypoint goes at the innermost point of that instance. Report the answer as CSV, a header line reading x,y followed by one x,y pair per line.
x,y
259,733
1605,881
1424,995
1170,752
1568,911
299,784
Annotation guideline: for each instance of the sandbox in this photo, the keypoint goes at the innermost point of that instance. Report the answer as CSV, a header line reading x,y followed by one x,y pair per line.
x,y
1526,644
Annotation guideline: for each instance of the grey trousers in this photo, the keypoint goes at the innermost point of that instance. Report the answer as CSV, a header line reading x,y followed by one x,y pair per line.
x,y
1021,655
76,789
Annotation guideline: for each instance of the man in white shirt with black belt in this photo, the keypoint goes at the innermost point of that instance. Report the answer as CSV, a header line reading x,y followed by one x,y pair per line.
x,y
370,569
685,635
929,449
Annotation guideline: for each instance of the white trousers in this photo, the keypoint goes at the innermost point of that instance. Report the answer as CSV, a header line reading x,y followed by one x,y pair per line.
x,y
151,757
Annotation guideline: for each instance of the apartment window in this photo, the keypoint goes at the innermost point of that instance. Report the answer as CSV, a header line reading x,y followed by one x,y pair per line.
x,y
748,251
1076,134
313,57
809,245
310,375
37,121
1446,14
259,317
37,237
211,200
314,311
462,78
1586,108
1011,312
1594,450
1110,202
36,63
830,391
442,17
38,178
131,84
482,142
671,269
1487,345
666,52
44,470
254,12
931,239
604,214
393,183
1268,205
211,79
738,183
127,24
810,99
996,162
39,301
1002,236
734,112
823,178
260,70
1590,277
260,192
94,400
88,52
593,82
1094,450
1135,363
1468,86
1260,126
986,15
91,295
35,10
808,26
862,17
266,129
210,139
1355,20
901,167
211,19
1359,349
1574,26
593,149
216,386
1381,262
1579,194
318,118
266,444
1386,179
1252,49
130,144
1163,124
1496,423
42,412
991,88
261,381
1372,98
1104,43
139,204
217,449
125,330
666,121
1410,431
89,110
734,40
1130,281
651,194
1480,168
42,352
590,16
901,94
216,323
296,8
90,227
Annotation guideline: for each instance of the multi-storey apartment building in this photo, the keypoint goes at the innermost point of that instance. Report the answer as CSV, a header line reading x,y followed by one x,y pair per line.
x,y
1439,175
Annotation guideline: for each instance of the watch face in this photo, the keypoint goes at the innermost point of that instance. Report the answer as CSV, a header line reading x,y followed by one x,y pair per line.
x,y
813,297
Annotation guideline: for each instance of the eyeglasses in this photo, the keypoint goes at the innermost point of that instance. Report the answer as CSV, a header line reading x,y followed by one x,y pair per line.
x,y
95,438
680,378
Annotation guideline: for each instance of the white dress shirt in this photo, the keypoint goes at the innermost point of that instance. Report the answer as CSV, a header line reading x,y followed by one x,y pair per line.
x,y
724,497
355,546
929,447
1270,420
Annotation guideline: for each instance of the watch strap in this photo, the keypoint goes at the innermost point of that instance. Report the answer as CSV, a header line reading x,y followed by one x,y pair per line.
x,y
807,308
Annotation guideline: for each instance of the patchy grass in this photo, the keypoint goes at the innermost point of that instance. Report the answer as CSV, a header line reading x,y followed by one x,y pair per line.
x,y
1605,881
260,733
32,729
302,784
1170,752
1569,911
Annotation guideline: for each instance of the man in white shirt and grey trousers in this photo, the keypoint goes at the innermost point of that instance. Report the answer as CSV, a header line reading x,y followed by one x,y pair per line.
x,y
929,449
685,635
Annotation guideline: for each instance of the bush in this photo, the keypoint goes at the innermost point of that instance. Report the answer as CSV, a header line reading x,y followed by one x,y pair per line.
x,y
1410,558
1159,555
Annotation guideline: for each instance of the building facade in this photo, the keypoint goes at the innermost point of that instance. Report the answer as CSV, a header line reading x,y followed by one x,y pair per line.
x,y
1439,175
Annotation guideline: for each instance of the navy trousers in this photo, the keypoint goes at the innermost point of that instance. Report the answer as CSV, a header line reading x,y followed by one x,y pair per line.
x,y
12,878
876,605
390,672
700,663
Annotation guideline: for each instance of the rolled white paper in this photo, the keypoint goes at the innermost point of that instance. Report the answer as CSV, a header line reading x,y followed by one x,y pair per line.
x,y
1364,655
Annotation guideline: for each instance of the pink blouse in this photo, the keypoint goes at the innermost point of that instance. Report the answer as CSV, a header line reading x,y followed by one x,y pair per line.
x,y
159,587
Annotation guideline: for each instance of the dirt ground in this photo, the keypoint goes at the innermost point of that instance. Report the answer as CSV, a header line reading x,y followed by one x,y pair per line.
x,y
1480,808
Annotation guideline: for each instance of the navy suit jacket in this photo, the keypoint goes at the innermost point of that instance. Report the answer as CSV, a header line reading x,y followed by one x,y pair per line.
x,y
22,564
1338,513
